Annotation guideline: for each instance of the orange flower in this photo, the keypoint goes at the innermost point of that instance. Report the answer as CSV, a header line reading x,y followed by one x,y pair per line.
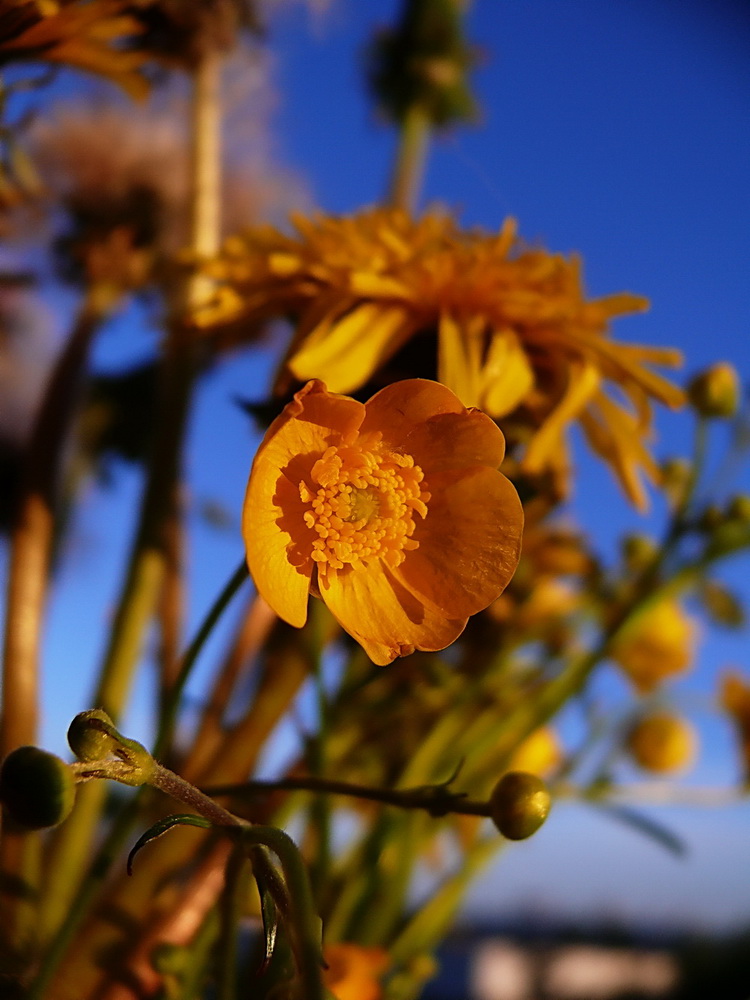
x,y
662,643
353,971
393,512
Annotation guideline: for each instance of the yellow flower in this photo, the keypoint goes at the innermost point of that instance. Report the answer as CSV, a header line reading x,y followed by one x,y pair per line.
x,y
507,328
353,971
735,700
539,753
661,644
662,742
393,512
80,34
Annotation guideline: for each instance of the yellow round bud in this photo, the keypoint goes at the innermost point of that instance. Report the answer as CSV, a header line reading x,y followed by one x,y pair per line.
x,y
37,789
662,742
91,735
519,804
715,392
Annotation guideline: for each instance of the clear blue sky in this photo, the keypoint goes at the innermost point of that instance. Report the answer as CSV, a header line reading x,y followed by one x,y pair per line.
x,y
619,130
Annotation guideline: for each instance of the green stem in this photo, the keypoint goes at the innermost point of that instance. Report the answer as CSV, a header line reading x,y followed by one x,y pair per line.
x,y
172,701
411,155
31,544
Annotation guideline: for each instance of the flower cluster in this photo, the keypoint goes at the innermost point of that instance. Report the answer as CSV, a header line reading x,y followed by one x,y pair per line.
x,y
506,327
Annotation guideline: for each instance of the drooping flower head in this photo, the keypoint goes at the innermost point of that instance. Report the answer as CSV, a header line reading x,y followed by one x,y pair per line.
x,y
393,511
509,328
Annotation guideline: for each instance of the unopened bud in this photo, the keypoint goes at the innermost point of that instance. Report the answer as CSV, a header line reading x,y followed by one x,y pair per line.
x,y
715,392
739,508
93,738
37,789
638,551
519,804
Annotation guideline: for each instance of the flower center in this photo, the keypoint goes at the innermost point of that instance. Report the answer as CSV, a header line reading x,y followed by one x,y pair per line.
x,y
361,501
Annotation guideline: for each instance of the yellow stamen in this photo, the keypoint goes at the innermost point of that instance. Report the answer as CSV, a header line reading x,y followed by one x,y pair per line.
x,y
361,502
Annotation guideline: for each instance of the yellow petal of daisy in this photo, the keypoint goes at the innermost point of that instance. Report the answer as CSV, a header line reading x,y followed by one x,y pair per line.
x,y
507,377
583,382
355,346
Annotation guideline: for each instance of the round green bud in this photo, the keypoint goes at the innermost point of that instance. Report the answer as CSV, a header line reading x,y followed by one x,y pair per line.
x,y
638,550
519,804
91,735
37,789
715,392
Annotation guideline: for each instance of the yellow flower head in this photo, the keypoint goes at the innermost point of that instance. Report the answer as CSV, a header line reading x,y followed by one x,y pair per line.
x,y
80,33
735,700
354,971
392,511
540,753
662,742
508,328
660,645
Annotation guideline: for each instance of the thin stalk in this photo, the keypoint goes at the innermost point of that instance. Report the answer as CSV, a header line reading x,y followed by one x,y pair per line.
x,y
31,544
411,155
146,567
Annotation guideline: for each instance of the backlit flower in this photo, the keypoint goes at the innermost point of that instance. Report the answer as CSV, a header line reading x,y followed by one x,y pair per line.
x,y
661,644
662,742
393,511
354,971
507,328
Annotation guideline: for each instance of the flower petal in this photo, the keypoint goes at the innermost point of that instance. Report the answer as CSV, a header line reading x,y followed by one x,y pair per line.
x,y
450,568
350,350
428,421
277,540
507,375
383,615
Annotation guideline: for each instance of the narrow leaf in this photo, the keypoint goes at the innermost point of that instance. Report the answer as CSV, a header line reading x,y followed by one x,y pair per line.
x,y
162,827
644,824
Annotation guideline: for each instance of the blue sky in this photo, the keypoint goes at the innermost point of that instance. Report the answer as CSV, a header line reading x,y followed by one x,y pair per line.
x,y
617,130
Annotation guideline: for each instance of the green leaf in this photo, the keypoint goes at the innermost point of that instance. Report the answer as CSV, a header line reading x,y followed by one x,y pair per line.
x,y
270,916
162,827
644,824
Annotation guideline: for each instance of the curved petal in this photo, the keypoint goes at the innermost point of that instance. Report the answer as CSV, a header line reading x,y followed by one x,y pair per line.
x,y
383,615
277,541
507,377
469,542
349,351
455,441
397,408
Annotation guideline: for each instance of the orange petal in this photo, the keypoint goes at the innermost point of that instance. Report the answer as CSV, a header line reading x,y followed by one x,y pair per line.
x,y
455,441
396,409
469,542
383,615
277,541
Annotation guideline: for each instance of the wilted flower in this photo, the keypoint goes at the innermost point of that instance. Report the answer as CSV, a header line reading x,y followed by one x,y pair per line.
x,y
393,511
508,328
661,644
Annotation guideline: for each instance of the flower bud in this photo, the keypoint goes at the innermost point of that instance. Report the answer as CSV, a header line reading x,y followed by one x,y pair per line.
x,y
91,735
662,742
519,804
37,789
715,392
